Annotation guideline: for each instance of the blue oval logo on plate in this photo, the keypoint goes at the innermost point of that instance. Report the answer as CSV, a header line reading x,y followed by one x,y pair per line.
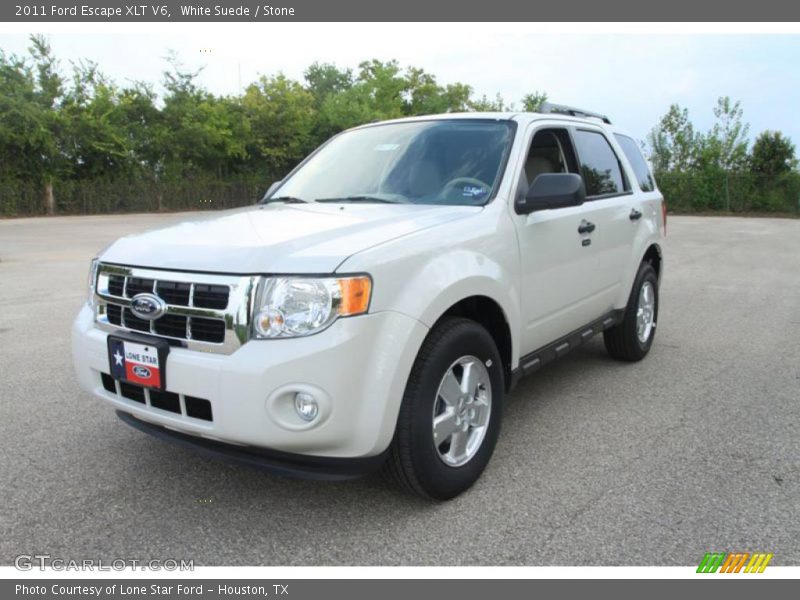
x,y
141,371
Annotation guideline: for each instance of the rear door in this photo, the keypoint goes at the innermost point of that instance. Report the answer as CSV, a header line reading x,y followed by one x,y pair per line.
x,y
645,215
609,203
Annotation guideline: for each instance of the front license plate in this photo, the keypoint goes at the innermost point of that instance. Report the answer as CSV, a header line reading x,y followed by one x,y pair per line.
x,y
140,361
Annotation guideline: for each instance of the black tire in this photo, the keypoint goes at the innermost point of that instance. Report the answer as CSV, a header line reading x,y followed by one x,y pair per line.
x,y
414,461
622,341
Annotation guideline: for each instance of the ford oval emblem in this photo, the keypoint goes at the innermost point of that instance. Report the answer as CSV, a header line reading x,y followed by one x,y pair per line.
x,y
148,306
141,371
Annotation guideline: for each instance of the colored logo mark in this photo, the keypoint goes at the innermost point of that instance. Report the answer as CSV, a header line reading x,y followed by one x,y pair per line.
x,y
734,562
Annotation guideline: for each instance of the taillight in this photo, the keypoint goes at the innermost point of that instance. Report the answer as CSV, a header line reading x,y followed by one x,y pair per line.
x,y
664,214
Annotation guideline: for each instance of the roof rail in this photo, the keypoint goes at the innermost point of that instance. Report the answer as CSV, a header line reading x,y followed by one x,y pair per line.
x,y
549,108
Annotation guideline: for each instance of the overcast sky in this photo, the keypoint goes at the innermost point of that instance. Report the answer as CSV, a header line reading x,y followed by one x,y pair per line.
x,y
631,78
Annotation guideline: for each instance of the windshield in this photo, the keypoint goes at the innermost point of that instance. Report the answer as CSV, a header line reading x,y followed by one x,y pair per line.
x,y
456,162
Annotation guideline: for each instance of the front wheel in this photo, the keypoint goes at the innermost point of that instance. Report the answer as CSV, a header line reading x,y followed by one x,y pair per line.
x,y
631,339
450,416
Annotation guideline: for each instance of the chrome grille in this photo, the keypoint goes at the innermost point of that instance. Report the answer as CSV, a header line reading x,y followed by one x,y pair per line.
x,y
204,312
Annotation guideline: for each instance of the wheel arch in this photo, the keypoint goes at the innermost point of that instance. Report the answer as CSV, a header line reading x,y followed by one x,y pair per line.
x,y
650,252
653,254
488,313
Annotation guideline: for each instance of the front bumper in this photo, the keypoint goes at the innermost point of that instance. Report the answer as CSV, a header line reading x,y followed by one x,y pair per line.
x,y
300,466
357,369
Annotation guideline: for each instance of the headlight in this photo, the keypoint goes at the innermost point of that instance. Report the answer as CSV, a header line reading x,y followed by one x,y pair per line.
x,y
92,281
299,306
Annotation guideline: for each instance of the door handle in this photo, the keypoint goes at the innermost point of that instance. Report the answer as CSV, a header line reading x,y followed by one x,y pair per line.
x,y
586,227
635,215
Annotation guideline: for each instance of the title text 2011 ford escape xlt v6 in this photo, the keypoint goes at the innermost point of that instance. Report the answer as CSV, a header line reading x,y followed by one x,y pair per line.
x,y
374,308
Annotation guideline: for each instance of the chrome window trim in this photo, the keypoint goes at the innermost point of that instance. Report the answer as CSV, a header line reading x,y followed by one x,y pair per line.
x,y
236,316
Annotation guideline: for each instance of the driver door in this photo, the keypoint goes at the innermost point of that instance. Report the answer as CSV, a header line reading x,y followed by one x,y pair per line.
x,y
558,261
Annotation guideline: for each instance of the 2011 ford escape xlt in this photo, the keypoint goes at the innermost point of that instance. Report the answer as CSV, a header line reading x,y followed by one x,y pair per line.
x,y
374,308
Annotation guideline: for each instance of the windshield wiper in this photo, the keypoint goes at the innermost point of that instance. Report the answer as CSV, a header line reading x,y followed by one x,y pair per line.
x,y
286,199
364,198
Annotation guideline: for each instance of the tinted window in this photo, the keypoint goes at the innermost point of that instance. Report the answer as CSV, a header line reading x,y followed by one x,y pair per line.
x,y
640,168
599,165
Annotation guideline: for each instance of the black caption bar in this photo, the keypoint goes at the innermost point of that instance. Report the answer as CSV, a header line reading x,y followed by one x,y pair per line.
x,y
409,10
386,589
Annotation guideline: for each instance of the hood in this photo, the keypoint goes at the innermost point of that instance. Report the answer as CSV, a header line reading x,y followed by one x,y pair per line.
x,y
277,238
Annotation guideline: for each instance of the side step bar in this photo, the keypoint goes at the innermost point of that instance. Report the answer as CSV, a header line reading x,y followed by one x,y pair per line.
x,y
530,363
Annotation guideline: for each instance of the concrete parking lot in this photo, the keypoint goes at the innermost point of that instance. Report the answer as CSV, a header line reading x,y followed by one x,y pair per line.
x,y
697,448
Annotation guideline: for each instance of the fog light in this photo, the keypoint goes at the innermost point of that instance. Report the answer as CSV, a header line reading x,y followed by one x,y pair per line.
x,y
306,406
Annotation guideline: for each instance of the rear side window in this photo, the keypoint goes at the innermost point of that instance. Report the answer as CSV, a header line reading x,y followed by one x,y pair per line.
x,y
640,168
600,167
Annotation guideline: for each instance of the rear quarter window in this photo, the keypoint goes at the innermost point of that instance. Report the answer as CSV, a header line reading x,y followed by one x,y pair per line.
x,y
640,168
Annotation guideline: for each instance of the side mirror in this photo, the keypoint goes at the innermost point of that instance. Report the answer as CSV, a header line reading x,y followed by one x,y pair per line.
x,y
272,188
553,190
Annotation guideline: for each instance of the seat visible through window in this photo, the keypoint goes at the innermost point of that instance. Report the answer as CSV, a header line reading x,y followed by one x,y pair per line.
x,y
545,156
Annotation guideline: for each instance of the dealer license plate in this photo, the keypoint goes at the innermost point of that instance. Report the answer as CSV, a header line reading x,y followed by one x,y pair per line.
x,y
140,361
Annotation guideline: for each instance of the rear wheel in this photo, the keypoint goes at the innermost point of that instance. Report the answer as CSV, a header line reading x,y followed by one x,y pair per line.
x,y
451,412
631,339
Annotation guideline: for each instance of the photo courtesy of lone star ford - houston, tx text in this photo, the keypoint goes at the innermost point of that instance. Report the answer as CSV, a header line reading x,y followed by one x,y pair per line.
x,y
322,299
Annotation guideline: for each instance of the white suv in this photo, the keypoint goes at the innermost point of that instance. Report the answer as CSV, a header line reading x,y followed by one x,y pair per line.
x,y
373,309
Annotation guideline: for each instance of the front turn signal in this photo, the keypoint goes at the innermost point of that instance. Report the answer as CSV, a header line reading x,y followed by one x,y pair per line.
x,y
355,295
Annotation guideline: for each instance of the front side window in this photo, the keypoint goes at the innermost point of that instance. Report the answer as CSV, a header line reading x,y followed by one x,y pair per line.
x,y
600,167
640,168
457,162
550,152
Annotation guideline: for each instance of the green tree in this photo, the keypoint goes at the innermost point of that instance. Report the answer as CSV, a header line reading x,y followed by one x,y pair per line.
x,y
379,92
424,96
349,108
325,79
281,116
50,83
94,143
84,129
485,104
140,121
385,85
673,142
457,97
772,155
25,136
725,146
201,133
31,125
533,102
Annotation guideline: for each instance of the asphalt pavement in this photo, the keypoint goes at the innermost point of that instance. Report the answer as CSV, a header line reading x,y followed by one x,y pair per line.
x,y
694,449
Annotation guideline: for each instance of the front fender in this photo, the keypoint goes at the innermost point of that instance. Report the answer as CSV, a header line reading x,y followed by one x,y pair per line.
x,y
424,274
